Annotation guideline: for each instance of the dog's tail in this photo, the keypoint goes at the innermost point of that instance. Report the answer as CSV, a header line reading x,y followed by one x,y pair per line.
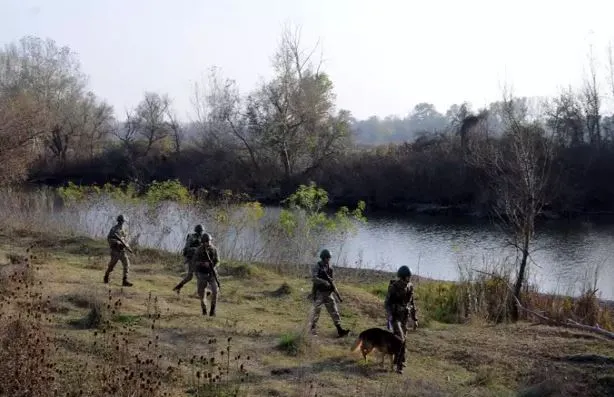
x,y
357,345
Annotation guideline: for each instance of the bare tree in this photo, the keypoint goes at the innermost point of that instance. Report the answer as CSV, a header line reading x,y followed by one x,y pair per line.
x,y
294,114
127,132
97,123
51,77
591,102
150,120
20,125
176,130
517,168
222,117
566,120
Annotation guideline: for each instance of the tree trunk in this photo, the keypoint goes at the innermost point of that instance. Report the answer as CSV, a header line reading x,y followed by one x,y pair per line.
x,y
285,158
520,278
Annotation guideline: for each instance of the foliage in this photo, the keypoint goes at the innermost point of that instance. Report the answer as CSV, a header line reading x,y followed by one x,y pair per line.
x,y
72,193
303,225
171,190
291,343
155,193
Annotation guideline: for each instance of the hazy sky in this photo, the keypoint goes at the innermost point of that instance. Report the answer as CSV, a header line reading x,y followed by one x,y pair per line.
x,y
384,56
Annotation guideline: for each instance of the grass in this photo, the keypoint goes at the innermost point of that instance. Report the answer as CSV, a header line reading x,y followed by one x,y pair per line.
x,y
65,328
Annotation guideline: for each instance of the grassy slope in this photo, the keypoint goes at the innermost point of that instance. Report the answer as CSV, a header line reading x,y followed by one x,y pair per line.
x,y
471,360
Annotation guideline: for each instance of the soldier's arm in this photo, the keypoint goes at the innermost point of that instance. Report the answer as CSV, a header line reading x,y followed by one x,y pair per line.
x,y
115,235
188,240
186,246
216,257
315,273
387,303
411,296
111,233
412,306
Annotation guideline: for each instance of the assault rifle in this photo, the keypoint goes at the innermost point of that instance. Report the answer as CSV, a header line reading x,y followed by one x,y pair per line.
x,y
335,290
125,244
213,269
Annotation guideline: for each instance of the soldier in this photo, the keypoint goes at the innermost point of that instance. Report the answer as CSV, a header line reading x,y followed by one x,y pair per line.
x,y
192,242
400,307
204,265
322,291
117,243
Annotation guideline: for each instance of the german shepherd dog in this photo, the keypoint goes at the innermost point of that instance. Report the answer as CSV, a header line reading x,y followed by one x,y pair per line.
x,y
381,340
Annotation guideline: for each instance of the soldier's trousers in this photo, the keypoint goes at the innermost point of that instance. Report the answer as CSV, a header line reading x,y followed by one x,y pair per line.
x,y
188,277
119,256
204,281
399,328
326,299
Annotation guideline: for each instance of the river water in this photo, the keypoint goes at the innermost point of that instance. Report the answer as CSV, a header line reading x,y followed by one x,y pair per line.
x,y
565,255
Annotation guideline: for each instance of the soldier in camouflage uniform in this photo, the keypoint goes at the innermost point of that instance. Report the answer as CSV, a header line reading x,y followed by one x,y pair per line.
x,y
117,243
204,265
322,292
192,242
400,308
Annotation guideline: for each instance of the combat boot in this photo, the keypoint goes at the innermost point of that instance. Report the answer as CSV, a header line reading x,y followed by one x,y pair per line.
x,y
212,312
342,332
106,278
203,308
126,283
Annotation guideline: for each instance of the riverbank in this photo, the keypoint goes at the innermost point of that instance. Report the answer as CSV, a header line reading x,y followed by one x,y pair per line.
x,y
263,310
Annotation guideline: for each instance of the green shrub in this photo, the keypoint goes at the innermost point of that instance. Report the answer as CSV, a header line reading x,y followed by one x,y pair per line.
x,y
171,190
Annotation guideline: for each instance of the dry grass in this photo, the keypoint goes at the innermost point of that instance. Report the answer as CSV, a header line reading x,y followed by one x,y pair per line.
x,y
102,340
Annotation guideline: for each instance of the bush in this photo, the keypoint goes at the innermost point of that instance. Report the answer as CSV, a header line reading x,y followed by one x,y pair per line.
x,y
291,343
171,190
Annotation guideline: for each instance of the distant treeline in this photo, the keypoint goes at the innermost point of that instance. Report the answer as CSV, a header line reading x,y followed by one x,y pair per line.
x,y
286,132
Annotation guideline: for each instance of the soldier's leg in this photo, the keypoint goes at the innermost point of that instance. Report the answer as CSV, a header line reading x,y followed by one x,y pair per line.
x,y
123,257
404,326
400,358
333,311
399,329
214,295
186,279
315,313
201,284
111,265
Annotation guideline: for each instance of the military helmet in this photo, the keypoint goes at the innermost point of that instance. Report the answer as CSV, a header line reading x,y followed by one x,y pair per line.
x,y
120,218
325,254
404,271
206,237
198,228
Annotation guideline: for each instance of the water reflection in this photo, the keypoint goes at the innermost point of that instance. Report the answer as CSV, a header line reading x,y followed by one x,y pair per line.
x,y
434,246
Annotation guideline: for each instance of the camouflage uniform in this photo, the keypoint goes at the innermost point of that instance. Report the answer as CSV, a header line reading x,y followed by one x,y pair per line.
x,y
322,293
204,265
400,308
192,242
118,251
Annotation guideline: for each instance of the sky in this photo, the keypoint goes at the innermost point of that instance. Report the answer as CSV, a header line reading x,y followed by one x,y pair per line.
x,y
383,56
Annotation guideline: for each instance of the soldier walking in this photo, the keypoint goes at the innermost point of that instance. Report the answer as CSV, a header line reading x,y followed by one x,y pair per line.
x,y
204,265
192,242
400,308
117,243
322,291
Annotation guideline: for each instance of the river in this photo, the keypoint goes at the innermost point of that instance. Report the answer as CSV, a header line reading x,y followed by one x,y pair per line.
x,y
565,254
